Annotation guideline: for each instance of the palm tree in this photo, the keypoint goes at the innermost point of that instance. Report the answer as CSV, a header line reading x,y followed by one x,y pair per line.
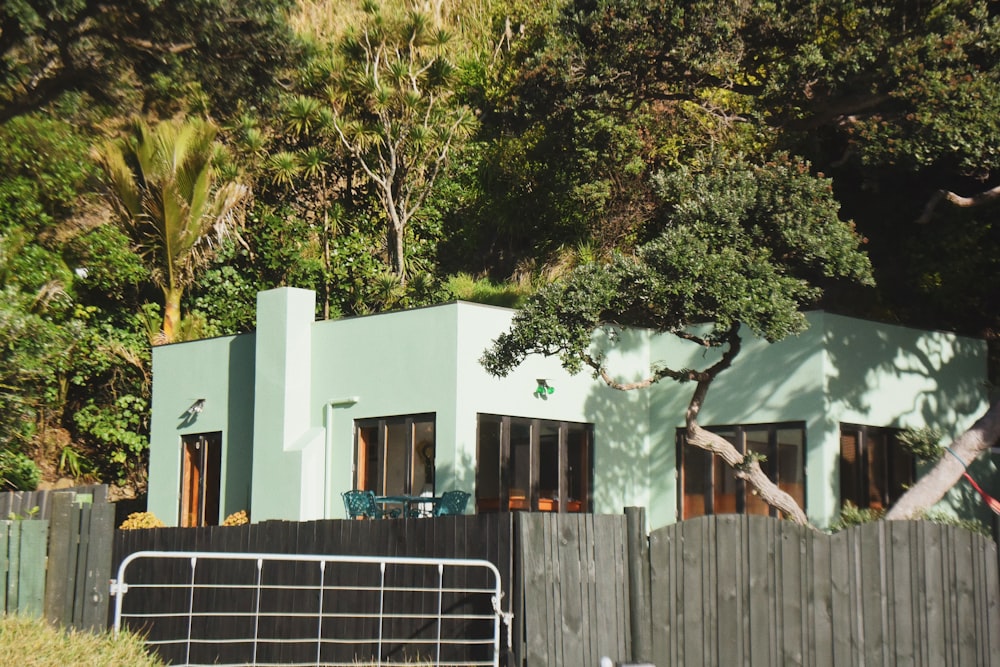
x,y
163,188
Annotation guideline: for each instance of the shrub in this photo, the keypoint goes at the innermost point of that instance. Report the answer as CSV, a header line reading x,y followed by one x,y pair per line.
x,y
237,519
138,520
18,472
851,515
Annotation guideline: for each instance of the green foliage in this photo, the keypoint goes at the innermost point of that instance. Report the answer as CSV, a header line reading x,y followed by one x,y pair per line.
x,y
43,171
923,442
465,287
165,52
947,519
396,113
851,515
739,244
163,187
108,266
118,433
18,472
227,301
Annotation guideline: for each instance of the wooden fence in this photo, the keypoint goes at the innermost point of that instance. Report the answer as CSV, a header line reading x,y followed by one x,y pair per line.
x,y
58,566
16,505
738,590
712,591
573,575
487,537
22,566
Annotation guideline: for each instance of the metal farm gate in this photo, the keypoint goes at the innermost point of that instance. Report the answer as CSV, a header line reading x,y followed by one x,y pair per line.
x,y
208,608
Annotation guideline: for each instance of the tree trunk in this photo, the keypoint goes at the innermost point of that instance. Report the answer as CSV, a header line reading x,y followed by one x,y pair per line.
x,y
931,488
748,471
396,252
171,312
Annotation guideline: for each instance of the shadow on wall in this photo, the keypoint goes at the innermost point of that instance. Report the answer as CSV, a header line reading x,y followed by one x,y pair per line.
x,y
941,368
240,414
739,395
938,363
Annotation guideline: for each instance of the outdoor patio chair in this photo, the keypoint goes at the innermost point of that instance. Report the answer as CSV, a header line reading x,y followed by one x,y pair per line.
x,y
361,504
452,502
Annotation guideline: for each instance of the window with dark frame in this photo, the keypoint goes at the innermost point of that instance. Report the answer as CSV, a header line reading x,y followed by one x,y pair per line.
x,y
538,465
875,469
709,486
201,479
394,456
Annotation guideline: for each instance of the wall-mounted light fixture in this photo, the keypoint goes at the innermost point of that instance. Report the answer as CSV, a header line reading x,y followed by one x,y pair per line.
x,y
196,407
544,387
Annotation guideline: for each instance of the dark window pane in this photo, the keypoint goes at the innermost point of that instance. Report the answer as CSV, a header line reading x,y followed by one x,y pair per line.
x,y
488,464
791,463
578,474
851,470
422,456
520,464
757,441
548,466
697,468
395,455
875,470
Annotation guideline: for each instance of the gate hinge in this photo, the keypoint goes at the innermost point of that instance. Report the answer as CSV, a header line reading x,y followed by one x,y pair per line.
x,y
117,588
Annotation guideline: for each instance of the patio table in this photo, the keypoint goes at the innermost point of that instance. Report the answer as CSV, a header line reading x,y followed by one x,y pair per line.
x,y
411,504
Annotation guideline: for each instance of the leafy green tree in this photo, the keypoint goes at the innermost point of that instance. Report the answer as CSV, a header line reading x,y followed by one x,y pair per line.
x,y
221,50
43,171
396,113
741,246
163,188
896,102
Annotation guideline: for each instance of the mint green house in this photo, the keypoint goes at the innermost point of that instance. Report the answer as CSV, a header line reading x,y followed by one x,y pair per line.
x,y
281,421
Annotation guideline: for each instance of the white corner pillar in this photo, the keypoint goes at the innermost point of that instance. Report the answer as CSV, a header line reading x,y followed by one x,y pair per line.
x,y
285,476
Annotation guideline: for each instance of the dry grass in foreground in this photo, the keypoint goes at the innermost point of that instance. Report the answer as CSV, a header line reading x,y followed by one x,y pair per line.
x,y
31,642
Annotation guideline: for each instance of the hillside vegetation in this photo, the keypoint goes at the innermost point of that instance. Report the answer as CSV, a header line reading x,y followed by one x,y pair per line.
x,y
163,162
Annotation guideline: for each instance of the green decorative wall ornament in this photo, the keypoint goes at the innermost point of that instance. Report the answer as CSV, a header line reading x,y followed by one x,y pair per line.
x,y
544,387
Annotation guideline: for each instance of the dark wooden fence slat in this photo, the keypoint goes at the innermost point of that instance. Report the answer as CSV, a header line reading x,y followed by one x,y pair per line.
x,y
727,603
81,519
4,562
58,600
638,571
13,563
755,551
98,570
31,589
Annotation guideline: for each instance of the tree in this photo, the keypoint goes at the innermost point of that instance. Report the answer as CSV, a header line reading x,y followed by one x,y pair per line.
x,y
163,189
740,245
895,102
229,50
396,113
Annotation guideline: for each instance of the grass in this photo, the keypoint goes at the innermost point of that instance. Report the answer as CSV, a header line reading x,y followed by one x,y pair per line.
x,y
32,642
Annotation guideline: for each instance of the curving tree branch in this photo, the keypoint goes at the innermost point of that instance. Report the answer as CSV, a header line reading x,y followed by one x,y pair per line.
x,y
980,199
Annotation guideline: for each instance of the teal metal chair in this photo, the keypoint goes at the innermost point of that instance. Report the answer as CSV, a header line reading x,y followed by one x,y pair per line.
x,y
451,503
361,504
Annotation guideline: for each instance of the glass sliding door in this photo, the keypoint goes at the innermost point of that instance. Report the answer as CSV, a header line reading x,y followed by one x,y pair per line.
x,y
709,486
533,465
395,455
